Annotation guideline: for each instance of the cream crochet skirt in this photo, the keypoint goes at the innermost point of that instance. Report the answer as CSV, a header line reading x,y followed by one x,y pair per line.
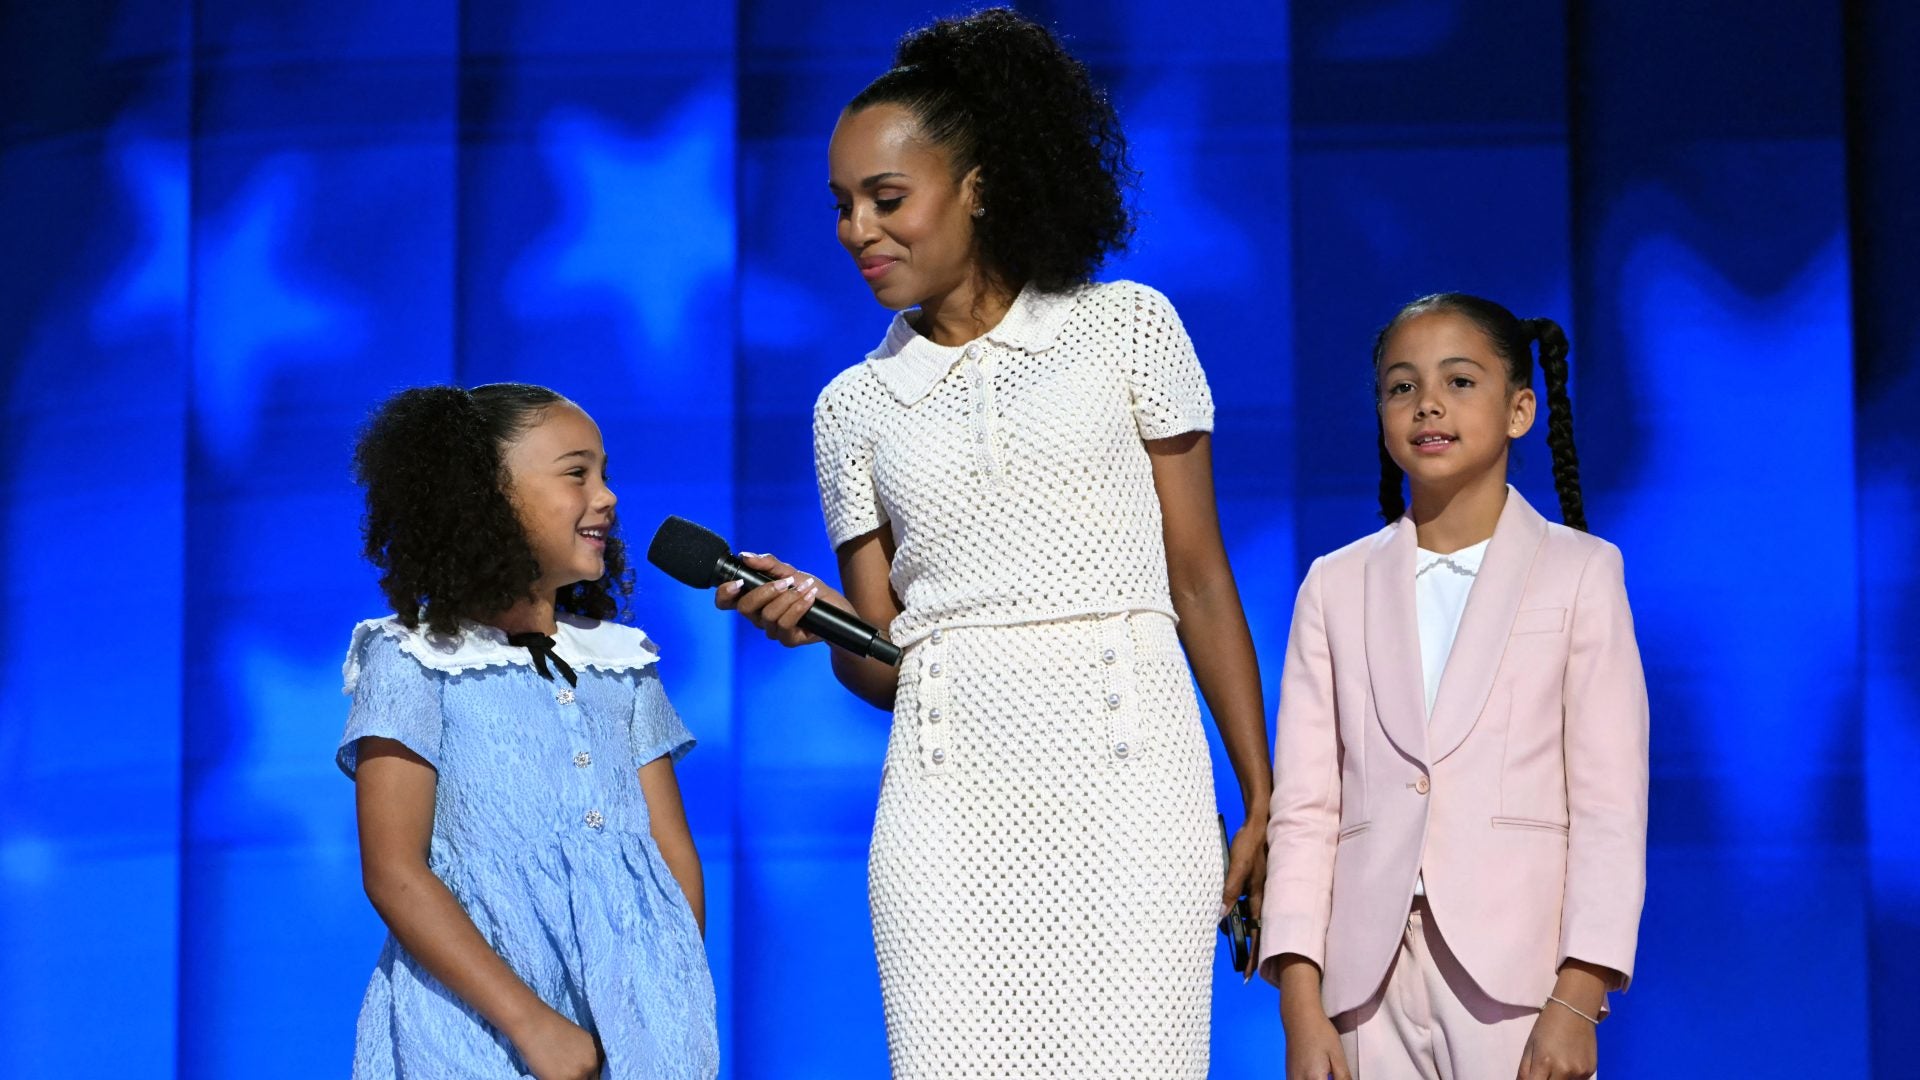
x,y
1045,872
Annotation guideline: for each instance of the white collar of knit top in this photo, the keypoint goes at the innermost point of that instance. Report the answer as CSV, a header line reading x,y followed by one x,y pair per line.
x,y
910,366
580,641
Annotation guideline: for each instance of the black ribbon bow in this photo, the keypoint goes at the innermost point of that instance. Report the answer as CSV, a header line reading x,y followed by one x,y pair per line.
x,y
541,646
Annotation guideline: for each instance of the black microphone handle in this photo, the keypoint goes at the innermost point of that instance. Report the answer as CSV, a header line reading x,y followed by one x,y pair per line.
x,y
834,625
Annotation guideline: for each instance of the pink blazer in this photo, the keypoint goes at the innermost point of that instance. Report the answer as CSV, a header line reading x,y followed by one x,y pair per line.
x,y
1523,799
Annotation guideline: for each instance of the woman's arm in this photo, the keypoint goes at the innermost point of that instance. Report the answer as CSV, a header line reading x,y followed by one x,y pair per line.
x,y
1219,646
394,795
668,818
775,608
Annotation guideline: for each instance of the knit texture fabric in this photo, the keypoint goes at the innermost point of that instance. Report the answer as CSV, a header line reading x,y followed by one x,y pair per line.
x,y
1045,870
1012,469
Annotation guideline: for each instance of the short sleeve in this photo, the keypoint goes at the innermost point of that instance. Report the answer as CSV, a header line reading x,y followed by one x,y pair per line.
x,y
655,730
843,464
393,698
1168,388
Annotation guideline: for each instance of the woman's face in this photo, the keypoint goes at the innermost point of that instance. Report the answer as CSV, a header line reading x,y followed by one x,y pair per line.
x,y
1446,410
904,216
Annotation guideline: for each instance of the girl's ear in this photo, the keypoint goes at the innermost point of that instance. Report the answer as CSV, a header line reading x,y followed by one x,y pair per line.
x,y
1520,413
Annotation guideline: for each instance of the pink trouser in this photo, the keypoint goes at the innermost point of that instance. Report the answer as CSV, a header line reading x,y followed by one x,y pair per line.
x,y
1429,1021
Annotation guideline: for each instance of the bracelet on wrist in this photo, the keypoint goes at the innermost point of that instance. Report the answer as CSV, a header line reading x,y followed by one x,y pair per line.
x,y
1594,1020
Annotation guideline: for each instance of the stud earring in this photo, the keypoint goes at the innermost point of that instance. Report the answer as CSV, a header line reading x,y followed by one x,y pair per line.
x,y
979,211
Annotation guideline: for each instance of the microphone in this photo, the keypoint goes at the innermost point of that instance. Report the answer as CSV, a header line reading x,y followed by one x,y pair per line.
x,y
695,555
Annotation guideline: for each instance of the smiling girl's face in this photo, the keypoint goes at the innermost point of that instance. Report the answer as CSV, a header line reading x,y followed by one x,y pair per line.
x,y
557,482
1447,410
903,215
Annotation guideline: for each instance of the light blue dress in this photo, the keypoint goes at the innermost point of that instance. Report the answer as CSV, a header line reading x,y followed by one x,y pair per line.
x,y
541,832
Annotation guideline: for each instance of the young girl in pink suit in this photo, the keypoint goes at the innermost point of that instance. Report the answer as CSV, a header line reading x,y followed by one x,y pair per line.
x,y
1458,827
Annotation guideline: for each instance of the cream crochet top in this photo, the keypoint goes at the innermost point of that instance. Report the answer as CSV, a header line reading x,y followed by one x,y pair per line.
x,y
1012,469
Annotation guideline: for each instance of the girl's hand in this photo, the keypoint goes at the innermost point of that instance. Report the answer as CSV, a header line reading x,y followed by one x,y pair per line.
x,y
556,1048
1313,1047
1247,876
1562,1047
776,607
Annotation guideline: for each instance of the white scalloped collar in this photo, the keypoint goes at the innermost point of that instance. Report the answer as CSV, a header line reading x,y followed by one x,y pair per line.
x,y
580,641
910,366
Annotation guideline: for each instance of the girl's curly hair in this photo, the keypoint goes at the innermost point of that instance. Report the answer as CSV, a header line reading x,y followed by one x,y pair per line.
x,y
439,523
997,90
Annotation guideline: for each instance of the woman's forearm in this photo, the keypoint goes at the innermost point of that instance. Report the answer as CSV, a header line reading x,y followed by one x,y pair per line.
x,y
1220,650
870,680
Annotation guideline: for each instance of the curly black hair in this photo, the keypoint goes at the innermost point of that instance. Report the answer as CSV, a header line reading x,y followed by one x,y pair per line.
x,y
1512,339
439,523
998,91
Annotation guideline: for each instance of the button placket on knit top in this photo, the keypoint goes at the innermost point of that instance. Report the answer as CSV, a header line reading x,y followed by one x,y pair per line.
x,y
1012,470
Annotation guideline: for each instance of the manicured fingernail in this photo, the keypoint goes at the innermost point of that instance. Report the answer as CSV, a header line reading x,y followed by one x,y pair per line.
x,y
805,584
784,584
732,588
813,593
1224,908
751,555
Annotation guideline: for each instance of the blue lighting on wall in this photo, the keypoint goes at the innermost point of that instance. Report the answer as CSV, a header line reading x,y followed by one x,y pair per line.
x,y
226,232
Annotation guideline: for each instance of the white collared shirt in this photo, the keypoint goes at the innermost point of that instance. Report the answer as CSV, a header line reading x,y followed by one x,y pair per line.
x,y
1441,584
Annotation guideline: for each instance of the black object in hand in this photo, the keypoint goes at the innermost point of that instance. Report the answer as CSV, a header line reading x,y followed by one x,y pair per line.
x,y
1239,926
695,555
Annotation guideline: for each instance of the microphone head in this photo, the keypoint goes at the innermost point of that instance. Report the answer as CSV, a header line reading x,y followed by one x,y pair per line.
x,y
689,553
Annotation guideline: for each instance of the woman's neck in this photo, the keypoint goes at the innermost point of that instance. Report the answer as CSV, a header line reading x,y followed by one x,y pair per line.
x,y
533,614
1445,521
964,312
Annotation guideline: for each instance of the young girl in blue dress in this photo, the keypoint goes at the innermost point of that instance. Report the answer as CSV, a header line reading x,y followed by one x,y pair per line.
x,y
521,831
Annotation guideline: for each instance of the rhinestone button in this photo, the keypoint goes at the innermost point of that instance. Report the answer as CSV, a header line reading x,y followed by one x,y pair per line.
x,y
1113,701
564,697
973,352
933,714
583,759
1119,749
939,757
933,670
935,638
594,819
1109,657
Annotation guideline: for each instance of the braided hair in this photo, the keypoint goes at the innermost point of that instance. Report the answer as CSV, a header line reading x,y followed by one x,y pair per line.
x,y
1512,340
439,523
997,90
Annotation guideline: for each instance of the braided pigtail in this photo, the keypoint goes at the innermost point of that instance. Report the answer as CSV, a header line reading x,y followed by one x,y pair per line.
x,y
1566,462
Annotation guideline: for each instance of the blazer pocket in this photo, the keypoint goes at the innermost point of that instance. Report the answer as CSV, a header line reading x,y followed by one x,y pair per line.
x,y
1529,823
1546,620
1352,831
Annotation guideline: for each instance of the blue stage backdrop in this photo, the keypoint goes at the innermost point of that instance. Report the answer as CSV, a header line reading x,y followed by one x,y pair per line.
x,y
228,229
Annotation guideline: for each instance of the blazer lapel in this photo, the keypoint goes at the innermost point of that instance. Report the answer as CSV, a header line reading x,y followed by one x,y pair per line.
x,y
1393,641
1485,625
